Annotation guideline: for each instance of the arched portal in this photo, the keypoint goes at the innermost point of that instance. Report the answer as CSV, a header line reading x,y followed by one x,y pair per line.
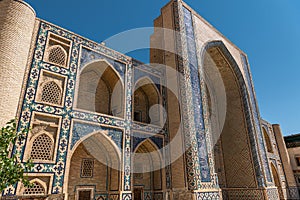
x,y
267,141
277,182
146,102
94,168
101,89
232,149
148,172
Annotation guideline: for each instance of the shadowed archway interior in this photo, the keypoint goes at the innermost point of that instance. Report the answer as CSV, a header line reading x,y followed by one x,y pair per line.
x,y
101,89
146,100
147,174
95,168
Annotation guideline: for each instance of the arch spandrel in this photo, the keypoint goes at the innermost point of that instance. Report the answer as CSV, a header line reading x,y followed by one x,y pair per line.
x,y
82,130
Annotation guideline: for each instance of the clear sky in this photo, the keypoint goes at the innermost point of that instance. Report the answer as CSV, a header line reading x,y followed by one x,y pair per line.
x,y
266,30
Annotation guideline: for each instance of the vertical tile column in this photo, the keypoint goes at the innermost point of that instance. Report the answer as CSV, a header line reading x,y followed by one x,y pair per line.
x,y
127,186
197,161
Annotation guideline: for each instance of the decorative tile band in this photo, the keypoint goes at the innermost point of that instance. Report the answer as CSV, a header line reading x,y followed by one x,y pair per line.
x,y
256,117
197,99
82,52
81,130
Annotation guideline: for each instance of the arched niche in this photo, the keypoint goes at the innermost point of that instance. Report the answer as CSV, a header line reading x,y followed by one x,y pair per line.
x,y
146,102
148,173
267,140
95,160
277,182
101,89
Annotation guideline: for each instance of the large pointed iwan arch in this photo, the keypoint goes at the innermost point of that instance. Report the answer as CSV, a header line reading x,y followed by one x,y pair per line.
x,y
237,158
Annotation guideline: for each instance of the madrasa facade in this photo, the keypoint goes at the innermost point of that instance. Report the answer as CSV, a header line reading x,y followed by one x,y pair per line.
x,y
103,125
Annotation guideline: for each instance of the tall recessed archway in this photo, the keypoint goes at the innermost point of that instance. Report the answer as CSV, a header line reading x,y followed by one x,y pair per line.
x,y
101,89
232,149
267,141
277,182
147,174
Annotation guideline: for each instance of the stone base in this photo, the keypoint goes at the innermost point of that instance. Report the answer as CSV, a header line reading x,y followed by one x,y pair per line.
x,y
293,193
192,195
250,194
35,197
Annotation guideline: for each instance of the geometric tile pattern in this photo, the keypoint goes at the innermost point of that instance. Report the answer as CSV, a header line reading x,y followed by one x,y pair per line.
x,y
82,129
207,195
255,113
101,196
293,193
126,196
196,97
251,194
191,147
82,52
88,56
272,193
138,139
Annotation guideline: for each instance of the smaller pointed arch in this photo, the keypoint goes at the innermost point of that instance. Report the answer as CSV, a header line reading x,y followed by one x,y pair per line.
x,y
147,166
38,188
101,89
105,159
277,181
267,140
146,101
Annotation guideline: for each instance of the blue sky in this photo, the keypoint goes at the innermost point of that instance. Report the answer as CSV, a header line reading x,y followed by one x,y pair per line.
x,y
266,30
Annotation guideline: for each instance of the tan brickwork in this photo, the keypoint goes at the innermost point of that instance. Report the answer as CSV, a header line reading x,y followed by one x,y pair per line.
x,y
104,97
99,178
164,40
284,156
16,27
100,89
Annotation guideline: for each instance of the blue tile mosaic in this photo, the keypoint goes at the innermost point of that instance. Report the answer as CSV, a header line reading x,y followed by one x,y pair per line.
x,y
88,56
256,117
138,138
139,74
197,99
83,129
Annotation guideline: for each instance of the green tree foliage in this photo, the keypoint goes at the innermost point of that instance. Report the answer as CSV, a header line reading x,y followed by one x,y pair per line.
x,y
11,169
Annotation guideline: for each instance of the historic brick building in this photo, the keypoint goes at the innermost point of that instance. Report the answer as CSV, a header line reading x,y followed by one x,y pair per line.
x,y
105,126
293,154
